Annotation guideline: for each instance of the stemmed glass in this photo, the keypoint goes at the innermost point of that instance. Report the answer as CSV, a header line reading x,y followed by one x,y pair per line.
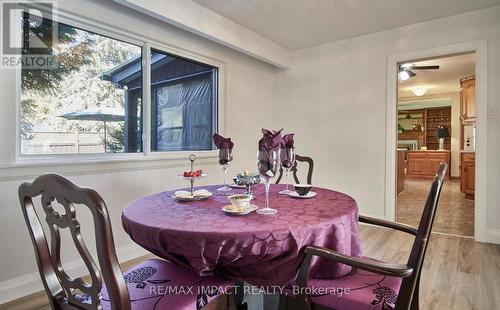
x,y
287,156
225,158
267,164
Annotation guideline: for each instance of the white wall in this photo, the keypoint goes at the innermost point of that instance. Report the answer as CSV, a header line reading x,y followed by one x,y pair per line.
x,y
455,135
249,87
334,98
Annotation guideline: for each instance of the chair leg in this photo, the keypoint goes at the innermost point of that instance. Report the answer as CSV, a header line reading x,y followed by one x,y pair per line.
x,y
242,306
414,301
298,303
233,305
239,295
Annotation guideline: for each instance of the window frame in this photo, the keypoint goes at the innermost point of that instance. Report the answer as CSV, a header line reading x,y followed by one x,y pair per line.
x,y
146,138
146,45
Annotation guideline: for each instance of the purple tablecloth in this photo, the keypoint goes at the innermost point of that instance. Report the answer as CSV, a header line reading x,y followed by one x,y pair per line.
x,y
259,249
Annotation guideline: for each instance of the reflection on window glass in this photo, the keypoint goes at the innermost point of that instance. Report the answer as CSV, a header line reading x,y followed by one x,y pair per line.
x,y
89,103
183,100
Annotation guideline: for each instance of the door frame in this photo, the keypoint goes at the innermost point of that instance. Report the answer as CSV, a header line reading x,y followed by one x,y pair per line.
x,y
480,203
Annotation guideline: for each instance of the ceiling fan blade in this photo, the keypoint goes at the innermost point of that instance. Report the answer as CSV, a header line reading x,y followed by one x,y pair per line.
x,y
425,67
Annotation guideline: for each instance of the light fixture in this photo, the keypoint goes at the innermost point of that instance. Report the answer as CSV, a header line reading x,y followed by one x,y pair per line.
x,y
419,91
407,65
403,75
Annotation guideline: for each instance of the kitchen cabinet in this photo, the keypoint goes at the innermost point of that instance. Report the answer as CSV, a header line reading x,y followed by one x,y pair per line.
x,y
436,117
425,123
424,164
468,174
468,99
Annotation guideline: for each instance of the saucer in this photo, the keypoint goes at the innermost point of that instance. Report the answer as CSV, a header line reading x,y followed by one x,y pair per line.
x,y
231,209
309,195
186,196
234,185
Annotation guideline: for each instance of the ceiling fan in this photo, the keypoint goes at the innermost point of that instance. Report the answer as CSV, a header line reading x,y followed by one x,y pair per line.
x,y
406,70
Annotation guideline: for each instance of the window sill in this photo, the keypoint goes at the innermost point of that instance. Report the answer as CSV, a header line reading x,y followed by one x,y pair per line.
x,y
29,167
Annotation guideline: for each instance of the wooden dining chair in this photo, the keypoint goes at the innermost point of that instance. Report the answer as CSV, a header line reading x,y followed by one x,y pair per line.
x,y
153,284
298,158
372,284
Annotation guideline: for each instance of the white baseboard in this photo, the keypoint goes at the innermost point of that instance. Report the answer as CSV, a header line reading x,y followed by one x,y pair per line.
x,y
492,236
31,283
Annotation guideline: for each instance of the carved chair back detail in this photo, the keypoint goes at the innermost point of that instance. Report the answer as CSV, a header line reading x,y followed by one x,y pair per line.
x,y
64,290
298,158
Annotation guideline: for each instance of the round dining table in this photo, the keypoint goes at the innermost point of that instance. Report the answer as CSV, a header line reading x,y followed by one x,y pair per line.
x,y
258,249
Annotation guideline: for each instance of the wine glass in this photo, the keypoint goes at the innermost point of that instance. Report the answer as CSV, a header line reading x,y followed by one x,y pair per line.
x,y
267,164
287,156
225,158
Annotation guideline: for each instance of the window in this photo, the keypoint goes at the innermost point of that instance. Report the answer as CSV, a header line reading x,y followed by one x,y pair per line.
x,y
92,102
182,103
78,107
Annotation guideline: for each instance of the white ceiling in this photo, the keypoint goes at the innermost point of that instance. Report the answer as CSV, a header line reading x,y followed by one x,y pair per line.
x,y
300,23
444,80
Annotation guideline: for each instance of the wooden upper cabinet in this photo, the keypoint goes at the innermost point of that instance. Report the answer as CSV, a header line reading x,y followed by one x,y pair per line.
x,y
468,99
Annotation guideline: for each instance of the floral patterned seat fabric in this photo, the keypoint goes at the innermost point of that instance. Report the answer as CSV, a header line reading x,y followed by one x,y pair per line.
x,y
358,290
158,284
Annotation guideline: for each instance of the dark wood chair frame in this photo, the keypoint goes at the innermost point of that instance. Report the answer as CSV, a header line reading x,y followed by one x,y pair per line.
x,y
299,158
408,297
62,288
65,292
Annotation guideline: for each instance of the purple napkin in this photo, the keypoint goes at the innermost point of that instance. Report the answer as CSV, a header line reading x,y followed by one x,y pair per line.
x,y
222,143
287,142
270,140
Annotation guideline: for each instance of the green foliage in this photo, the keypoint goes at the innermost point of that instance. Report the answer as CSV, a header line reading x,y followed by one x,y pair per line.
x,y
76,83
115,138
46,81
28,110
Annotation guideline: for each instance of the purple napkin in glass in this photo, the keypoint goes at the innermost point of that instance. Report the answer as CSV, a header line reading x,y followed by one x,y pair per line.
x,y
270,140
222,143
287,142
269,143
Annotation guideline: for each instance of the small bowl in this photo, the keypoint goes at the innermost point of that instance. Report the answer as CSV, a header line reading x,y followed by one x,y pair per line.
x,y
303,189
241,201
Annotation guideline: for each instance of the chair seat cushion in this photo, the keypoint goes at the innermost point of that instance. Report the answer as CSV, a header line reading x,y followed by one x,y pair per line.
x,y
358,290
159,284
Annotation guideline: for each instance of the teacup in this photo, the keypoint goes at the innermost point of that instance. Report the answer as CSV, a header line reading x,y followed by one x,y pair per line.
x,y
241,201
303,189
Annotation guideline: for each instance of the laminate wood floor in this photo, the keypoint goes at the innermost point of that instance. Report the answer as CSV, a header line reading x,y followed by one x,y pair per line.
x,y
458,273
455,214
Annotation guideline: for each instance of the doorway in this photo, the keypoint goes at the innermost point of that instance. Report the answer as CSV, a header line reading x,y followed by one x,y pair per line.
x,y
481,233
435,123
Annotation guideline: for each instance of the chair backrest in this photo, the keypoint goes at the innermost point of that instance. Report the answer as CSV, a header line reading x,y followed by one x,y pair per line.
x,y
64,291
310,168
421,242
